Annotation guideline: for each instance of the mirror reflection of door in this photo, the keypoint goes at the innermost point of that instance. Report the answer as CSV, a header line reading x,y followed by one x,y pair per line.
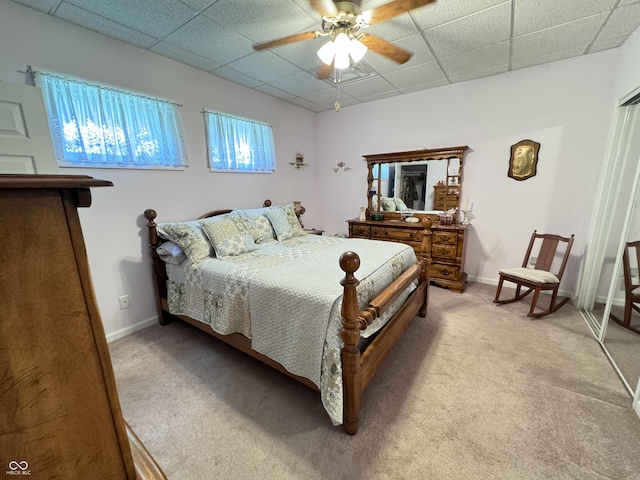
x,y
623,343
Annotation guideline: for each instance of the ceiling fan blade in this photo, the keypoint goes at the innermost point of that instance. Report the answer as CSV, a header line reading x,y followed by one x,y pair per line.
x,y
326,8
392,9
325,71
298,37
386,49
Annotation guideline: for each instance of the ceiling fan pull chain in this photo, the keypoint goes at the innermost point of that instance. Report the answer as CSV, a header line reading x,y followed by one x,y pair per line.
x,y
336,76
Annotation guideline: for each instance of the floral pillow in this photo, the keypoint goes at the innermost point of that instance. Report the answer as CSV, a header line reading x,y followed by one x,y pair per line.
x,y
400,205
189,237
388,205
261,229
229,236
285,222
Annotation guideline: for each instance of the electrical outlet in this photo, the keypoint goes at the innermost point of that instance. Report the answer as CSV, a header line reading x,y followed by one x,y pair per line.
x,y
124,302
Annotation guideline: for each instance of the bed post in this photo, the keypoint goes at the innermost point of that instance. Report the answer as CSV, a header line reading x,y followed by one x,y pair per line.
x,y
350,334
159,272
425,257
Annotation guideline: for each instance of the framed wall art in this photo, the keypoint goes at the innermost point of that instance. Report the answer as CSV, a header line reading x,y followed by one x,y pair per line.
x,y
523,163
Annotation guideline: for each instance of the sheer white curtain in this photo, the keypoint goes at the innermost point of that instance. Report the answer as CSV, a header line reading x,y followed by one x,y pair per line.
x,y
236,144
99,126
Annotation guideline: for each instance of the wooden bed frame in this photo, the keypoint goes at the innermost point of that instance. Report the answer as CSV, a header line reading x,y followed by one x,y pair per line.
x,y
359,363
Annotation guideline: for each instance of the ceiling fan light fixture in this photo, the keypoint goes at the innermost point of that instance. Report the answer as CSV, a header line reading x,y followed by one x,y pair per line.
x,y
342,59
327,52
357,49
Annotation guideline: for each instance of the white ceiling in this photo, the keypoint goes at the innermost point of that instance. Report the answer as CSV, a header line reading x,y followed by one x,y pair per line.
x,y
451,40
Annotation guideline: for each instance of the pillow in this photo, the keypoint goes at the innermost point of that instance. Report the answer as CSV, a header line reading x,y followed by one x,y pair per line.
x,y
285,222
228,235
189,237
170,252
261,228
388,205
374,203
400,205
247,224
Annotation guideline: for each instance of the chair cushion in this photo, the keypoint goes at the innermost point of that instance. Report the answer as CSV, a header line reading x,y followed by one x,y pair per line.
x,y
531,274
635,291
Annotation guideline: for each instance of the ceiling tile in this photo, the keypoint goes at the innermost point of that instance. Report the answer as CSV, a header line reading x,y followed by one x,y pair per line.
x,y
303,54
489,26
482,58
622,22
211,40
480,73
328,98
534,15
264,66
552,57
394,28
607,44
265,20
237,77
153,17
171,51
563,37
274,92
300,84
445,11
301,102
379,96
100,24
417,75
425,86
367,87
41,5
414,44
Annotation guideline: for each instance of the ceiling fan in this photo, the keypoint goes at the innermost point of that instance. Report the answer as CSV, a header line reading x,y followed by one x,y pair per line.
x,y
343,22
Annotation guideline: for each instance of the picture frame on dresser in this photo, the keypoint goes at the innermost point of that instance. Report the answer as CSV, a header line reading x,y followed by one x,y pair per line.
x,y
441,188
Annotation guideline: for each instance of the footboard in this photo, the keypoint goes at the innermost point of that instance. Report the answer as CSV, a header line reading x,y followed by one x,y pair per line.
x,y
358,367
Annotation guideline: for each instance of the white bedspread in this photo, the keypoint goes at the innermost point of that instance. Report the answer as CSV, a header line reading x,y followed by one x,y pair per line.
x,y
286,297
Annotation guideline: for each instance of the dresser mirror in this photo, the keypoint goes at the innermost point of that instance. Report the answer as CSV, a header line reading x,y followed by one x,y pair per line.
x,y
427,181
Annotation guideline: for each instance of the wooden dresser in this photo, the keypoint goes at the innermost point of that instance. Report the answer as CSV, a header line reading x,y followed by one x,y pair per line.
x,y
447,246
60,415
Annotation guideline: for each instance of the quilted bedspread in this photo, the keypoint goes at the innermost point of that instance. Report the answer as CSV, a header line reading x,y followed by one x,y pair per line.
x,y
286,297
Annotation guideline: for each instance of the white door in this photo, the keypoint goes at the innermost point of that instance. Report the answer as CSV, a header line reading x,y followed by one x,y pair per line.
x,y
25,139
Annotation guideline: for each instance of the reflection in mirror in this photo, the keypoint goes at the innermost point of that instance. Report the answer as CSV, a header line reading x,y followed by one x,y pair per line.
x,y
422,186
622,333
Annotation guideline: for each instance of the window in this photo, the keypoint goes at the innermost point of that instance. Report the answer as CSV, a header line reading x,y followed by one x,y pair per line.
x,y
236,144
94,125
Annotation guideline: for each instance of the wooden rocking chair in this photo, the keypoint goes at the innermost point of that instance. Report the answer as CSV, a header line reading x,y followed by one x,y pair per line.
x,y
631,289
537,277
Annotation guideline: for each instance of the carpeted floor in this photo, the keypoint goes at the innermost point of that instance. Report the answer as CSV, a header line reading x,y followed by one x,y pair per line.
x,y
473,391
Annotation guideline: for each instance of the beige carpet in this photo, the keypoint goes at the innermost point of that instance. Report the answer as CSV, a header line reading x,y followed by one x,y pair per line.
x,y
474,391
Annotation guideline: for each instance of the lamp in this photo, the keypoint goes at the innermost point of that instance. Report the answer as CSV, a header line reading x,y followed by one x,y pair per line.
x,y
339,50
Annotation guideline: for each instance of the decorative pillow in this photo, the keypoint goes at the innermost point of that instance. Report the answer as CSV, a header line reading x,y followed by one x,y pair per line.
x,y
261,228
189,238
284,222
374,203
388,205
247,224
531,274
228,236
400,205
170,252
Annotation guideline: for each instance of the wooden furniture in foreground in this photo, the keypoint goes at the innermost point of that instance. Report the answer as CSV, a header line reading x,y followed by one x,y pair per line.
x,y
538,276
59,411
447,246
449,241
359,366
631,288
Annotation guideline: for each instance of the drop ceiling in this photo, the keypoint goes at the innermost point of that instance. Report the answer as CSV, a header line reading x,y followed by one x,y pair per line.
x,y
451,40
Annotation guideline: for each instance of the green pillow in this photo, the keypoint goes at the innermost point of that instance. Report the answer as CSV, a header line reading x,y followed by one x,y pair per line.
x,y
229,236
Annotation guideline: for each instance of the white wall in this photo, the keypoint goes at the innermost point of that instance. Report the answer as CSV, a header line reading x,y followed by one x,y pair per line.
x,y
113,226
566,106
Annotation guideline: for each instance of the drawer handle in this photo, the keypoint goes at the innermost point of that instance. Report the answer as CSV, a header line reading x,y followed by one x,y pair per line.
x,y
445,238
445,272
443,251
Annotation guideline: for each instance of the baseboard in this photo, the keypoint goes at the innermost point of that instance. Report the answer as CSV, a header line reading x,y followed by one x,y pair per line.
x,y
133,328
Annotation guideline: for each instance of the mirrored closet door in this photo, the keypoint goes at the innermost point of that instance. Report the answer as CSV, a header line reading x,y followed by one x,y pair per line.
x,y
602,295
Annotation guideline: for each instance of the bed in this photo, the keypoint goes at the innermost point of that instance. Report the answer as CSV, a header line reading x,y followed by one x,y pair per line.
x,y
289,299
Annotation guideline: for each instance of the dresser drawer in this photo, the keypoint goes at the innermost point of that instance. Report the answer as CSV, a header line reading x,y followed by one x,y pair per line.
x,y
403,235
440,270
445,237
361,231
443,250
